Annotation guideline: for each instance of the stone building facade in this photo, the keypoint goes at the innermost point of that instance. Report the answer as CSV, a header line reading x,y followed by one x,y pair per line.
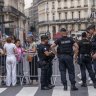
x,y
14,18
74,15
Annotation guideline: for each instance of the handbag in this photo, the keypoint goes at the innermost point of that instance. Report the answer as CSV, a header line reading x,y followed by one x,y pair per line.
x,y
29,58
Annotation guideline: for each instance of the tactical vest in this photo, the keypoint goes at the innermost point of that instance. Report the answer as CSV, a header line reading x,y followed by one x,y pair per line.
x,y
65,46
85,46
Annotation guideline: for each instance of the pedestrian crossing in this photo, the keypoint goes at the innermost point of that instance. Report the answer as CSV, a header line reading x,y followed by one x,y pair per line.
x,y
57,91
2,89
27,91
91,91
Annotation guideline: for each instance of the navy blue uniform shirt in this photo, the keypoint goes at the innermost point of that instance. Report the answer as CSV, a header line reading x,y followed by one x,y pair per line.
x,y
65,45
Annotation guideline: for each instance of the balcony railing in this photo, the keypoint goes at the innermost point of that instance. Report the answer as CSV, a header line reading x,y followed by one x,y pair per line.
x,y
10,9
75,20
72,7
65,7
78,6
85,5
59,7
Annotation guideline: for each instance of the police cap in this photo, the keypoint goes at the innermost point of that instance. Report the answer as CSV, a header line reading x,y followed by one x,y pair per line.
x,y
63,30
91,27
44,37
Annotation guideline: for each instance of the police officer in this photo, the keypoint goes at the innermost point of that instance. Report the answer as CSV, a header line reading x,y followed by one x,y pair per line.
x,y
65,56
45,58
91,30
85,59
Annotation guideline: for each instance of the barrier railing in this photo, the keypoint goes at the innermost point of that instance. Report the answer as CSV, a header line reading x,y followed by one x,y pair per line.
x,y
27,71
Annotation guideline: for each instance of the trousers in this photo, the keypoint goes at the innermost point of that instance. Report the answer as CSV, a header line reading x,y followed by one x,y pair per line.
x,y
11,70
85,63
66,63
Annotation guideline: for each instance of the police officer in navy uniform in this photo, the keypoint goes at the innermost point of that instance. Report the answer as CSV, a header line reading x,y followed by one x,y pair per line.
x,y
85,59
91,30
45,60
65,56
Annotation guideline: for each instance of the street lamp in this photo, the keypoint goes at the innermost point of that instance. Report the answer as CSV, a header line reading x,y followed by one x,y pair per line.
x,y
1,15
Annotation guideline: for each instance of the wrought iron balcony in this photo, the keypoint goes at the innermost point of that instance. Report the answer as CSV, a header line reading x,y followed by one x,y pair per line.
x,y
65,21
11,9
78,6
65,7
72,7
85,5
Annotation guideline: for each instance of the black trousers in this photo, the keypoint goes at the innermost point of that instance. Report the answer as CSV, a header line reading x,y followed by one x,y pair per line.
x,y
33,69
85,63
94,65
66,63
2,65
46,74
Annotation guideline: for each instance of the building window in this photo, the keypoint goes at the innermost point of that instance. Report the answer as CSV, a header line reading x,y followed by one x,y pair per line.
x,y
93,3
54,30
79,14
65,3
47,17
72,3
86,12
59,16
85,2
72,15
53,16
59,3
53,5
65,15
79,2
79,27
47,7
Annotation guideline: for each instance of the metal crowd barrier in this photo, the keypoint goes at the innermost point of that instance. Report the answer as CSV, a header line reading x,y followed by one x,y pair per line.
x,y
27,71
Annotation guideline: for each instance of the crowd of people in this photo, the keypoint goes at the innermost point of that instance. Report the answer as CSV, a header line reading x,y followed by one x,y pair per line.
x,y
19,57
17,61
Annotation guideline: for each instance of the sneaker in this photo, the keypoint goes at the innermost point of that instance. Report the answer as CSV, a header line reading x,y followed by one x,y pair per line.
x,y
89,79
80,82
90,82
79,75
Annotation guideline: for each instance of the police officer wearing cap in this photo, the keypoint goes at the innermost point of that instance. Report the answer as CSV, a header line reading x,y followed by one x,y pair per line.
x,y
65,56
85,59
45,59
91,30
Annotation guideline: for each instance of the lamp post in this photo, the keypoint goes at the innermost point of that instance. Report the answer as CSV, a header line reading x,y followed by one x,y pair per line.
x,y
1,15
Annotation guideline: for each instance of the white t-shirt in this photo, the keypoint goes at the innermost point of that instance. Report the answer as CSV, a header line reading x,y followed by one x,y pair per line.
x,y
9,47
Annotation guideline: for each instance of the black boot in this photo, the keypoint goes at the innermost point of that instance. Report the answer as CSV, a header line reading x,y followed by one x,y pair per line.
x,y
73,88
45,88
84,85
51,86
65,87
94,85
